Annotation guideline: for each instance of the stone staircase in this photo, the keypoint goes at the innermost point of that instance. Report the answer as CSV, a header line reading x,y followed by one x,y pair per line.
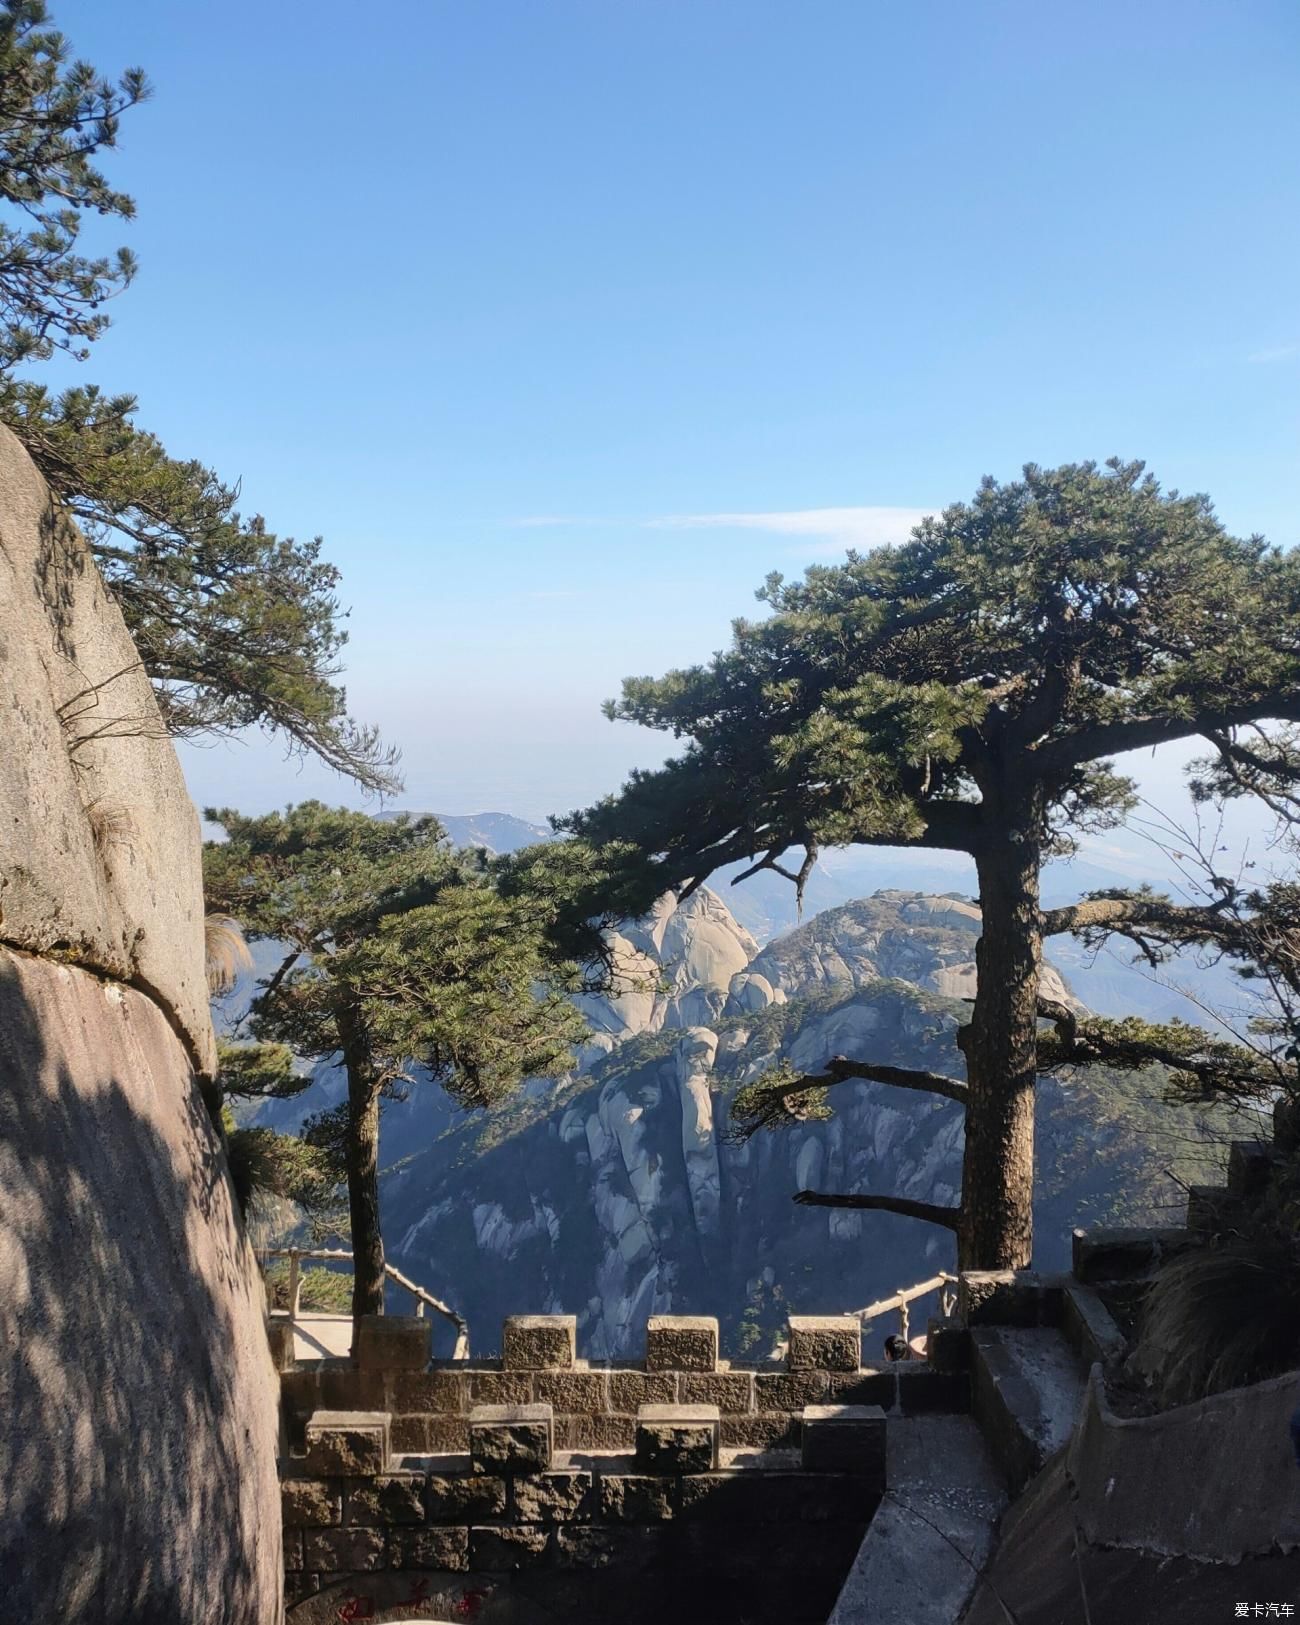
x,y
934,1530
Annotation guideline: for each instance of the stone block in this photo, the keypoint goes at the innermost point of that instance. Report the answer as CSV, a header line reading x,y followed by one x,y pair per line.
x,y
429,1549
351,1444
603,1433
293,1551
556,1497
947,1344
789,1390
681,1343
300,1393
501,1387
393,1342
511,1438
430,1393
344,1388
636,1498
409,1435
343,1551
629,1390
465,1497
764,1430
279,1335
572,1392
731,1391
823,1343
922,1390
677,1438
510,1547
539,1342
446,1435
389,1498
587,1548
865,1387
998,1298
845,1439
725,1497
310,1503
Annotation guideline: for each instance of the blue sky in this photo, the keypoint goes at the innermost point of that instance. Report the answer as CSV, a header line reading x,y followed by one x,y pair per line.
x,y
707,287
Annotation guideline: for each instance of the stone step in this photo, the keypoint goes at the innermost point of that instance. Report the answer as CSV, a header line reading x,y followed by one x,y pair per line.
x,y
934,1529
1027,1386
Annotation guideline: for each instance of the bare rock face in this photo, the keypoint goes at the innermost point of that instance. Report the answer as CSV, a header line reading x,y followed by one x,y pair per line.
x,y
138,1402
99,842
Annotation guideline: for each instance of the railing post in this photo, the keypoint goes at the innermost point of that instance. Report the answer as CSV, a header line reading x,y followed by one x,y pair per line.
x,y
295,1285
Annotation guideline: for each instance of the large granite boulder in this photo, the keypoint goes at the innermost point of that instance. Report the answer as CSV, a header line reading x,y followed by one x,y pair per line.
x,y
99,841
138,1403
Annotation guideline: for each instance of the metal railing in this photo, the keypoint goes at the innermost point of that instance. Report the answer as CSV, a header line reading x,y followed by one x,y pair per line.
x,y
943,1284
423,1299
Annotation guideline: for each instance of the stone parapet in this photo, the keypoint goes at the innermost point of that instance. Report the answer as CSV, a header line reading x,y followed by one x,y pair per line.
x,y
539,1342
824,1343
393,1342
595,1407
681,1343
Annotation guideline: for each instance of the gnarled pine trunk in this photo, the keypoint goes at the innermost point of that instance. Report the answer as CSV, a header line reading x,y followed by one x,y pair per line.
x,y
997,1224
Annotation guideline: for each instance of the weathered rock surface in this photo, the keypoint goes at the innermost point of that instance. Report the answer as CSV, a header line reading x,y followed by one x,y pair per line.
x,y
138,1402
137,1399
99,842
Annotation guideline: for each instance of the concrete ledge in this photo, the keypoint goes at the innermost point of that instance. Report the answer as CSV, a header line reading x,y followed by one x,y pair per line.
x,y
1090,1328
1141,1482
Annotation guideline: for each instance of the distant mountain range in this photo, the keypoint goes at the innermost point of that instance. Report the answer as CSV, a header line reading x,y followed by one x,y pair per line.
x,y
1113,982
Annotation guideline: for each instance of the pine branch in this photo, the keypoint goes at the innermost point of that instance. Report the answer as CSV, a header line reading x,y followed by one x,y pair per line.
x,y
929,1211
783,1097
1108,739
839,1069
1208,1066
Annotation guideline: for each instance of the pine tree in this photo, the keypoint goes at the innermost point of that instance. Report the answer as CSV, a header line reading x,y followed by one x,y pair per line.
x,y
966,691
403,959
236,626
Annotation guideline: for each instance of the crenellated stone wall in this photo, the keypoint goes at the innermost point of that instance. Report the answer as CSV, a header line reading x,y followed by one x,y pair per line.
x,y
518,1487
595,1405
